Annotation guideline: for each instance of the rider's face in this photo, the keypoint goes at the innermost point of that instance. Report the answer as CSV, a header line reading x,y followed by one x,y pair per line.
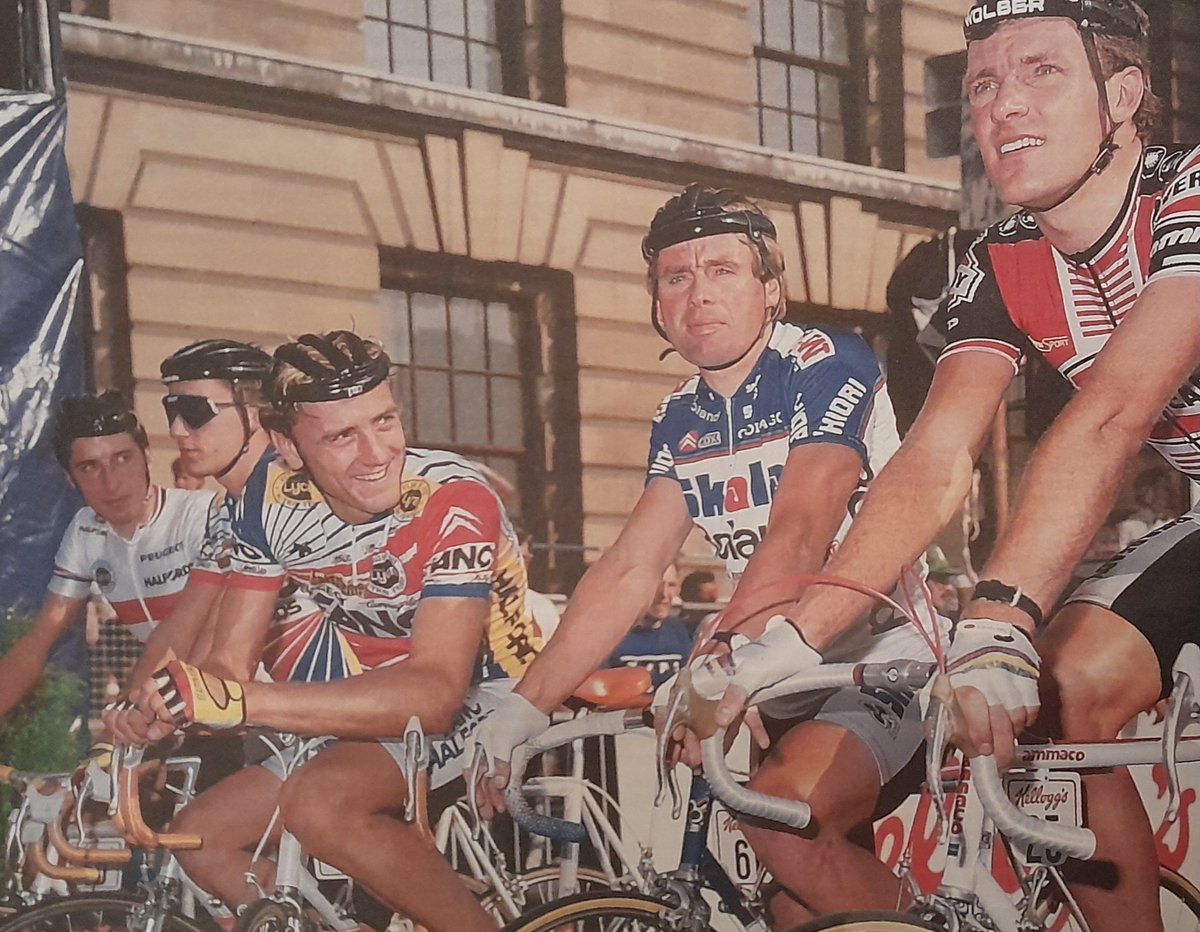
x,y
206,450
712,304
353,449
1034,108
112,475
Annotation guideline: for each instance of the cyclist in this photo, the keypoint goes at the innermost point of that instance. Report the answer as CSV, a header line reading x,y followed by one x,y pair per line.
x,y
767,449
214,395
1099,272
133,540
406,598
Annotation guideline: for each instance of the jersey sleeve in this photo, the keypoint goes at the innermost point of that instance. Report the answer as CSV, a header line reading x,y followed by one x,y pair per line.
x,y
661,461
833,381
212,558
465,526
252,560
973,317
72,577
1175,227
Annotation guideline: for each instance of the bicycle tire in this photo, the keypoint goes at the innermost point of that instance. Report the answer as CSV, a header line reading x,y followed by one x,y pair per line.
x,y
598,912
870,922
1179,900
538,887
92,911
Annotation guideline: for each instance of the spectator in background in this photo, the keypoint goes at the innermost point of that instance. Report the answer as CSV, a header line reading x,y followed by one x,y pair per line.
x,y
697,586
659,641
183,480
1157,503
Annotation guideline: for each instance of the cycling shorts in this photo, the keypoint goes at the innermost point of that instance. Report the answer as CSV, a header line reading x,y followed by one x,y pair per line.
x,y
445,751
887,721
1154,584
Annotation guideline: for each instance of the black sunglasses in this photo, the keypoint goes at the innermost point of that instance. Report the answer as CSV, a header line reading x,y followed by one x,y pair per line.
x,y
195,410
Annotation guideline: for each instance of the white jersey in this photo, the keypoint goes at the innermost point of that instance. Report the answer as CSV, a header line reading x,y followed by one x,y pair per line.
x,y
142,577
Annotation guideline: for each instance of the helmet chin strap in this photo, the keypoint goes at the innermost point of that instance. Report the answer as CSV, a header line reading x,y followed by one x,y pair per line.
x,y
241,410
1108,147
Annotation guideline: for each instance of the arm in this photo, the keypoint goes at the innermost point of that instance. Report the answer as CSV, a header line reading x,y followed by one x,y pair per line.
x,y
914,495
610,597
430,683
239,629
1073,478
177,634
809,507
25,660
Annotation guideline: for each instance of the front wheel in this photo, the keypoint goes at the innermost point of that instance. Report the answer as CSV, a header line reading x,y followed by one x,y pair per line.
x,y
99,913
1179,900
599,912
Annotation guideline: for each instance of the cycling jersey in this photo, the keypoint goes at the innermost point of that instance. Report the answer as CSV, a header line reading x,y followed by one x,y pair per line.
x,y
141,577
349,592
1014,291
727,454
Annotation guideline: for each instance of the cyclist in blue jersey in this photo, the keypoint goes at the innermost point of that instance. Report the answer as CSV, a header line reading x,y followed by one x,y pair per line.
x,y
767,451
1100,273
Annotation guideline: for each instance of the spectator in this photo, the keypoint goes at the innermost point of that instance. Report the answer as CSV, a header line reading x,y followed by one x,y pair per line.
x,y
1154,492
697,586
659,641
184,480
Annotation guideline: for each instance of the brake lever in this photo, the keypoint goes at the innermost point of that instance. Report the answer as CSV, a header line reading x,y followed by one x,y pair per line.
x,y
937,739
416,760
676,714
1180,707
476,769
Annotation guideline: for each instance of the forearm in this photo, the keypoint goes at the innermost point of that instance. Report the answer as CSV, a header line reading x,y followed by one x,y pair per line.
x,y
769,585
20,669
376,704
907,505
603,608
1067,491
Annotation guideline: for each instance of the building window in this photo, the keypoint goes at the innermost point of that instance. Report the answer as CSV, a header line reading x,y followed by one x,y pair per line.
x,y
103,309
486,368
808,57
466,43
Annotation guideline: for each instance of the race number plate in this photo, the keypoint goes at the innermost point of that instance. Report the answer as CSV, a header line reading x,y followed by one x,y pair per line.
x,y
732,850
1052,797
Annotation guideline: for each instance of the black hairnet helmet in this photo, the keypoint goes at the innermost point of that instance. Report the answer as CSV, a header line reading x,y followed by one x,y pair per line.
x,y
227,360
1103,17
340,366
94,416
703,211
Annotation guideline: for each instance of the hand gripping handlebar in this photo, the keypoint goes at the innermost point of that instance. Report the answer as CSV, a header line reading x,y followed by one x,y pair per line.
x,y
597,723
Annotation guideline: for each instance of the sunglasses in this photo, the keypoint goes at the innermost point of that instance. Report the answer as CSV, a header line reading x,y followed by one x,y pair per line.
x,y
195,410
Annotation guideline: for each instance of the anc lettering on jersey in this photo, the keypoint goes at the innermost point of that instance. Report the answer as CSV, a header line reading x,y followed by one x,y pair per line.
x,y
728,454
143,577
1014,292
349,592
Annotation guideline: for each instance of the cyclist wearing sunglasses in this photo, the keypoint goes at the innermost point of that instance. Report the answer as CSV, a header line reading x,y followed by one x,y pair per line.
x,y
214,396
406,597
133,540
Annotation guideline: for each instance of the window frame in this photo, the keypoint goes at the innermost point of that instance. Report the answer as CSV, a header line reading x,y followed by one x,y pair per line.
x,y
549,473
851,78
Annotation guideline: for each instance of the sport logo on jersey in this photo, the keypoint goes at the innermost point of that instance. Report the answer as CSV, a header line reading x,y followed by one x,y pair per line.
x,y
387,573
103,574
812,349
967,280
293,486
413,495
689,442
706,497
467,557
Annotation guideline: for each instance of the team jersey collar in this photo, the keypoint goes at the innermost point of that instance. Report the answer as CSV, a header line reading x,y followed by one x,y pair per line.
x,y
751,381
1105,239
159,495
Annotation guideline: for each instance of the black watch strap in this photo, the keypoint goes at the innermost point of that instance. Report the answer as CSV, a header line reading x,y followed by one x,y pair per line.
x,y
992,590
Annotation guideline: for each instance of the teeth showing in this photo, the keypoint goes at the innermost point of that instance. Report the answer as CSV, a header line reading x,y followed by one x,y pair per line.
x,y
374,476
1025,142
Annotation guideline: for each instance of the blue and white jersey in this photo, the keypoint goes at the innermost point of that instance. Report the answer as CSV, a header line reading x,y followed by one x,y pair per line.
x,y
727,454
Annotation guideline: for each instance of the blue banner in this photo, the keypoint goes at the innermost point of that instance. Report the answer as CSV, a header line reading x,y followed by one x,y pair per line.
x,y
41,361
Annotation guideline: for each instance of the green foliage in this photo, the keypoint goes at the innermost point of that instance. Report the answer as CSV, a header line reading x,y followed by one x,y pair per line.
x,y
35,734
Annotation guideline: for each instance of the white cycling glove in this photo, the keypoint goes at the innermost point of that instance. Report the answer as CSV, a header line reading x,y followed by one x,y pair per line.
x,y
752,665
996,658
514,722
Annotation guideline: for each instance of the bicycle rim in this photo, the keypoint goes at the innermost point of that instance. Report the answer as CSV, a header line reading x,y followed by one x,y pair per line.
x,y
1179,900
868,922
100,913
538,887
598,912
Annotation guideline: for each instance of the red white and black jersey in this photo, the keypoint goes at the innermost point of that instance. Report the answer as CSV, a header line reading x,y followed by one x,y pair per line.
x,y
349,592
1014,290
